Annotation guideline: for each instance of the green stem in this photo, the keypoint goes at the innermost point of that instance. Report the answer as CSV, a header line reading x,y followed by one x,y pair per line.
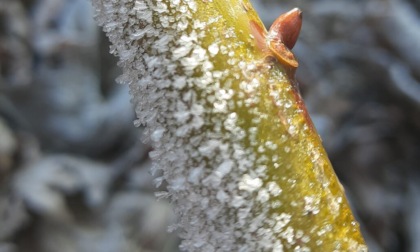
x,y
246,171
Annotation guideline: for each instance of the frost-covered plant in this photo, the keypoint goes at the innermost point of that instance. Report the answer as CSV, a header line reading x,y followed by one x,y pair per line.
x,y
245,169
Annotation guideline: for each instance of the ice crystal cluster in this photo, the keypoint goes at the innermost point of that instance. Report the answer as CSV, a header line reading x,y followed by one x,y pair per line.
x,y
197,87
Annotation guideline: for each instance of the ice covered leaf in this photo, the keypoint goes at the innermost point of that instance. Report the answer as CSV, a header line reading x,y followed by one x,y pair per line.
x,y
245,169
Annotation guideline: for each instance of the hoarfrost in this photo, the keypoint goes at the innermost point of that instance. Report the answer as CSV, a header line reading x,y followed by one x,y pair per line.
x,y
273,188
263,196
213,49
215,181
157,134
249,184
224,168
311,205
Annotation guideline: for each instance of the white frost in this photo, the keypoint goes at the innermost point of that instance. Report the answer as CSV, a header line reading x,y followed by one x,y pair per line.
x,y
213,49
273,188
192,118
247,183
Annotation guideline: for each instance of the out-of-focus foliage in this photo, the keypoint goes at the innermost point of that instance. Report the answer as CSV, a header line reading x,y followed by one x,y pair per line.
x,y
73,175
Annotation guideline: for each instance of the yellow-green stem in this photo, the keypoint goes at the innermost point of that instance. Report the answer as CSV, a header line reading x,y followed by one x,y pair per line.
x,y
246,170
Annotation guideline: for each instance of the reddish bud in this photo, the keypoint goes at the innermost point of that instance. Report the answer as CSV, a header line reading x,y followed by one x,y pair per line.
x,y
286,28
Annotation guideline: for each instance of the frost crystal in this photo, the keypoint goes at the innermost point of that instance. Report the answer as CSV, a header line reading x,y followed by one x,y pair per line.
x,y
249,184
213,49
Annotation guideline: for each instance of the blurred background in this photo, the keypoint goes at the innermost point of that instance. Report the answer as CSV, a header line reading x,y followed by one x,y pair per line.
x,y
74,176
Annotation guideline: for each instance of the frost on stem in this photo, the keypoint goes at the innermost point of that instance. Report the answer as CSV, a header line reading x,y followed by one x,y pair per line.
x,y
245,170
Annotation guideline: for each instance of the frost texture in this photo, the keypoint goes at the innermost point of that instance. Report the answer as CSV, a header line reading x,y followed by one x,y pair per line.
x,y
216,183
